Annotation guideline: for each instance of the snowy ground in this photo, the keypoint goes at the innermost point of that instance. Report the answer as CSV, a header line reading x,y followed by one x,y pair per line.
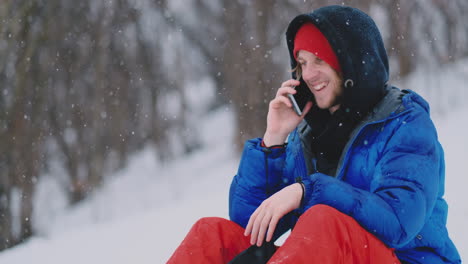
x,y
146,210
132,222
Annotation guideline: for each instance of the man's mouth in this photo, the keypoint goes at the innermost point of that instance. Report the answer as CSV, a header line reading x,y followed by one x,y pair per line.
x,y
318,87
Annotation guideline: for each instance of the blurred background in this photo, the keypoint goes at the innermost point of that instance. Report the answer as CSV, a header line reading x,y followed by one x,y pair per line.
x,y
86,85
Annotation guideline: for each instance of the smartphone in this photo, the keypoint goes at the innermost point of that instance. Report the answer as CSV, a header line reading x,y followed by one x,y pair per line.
x,y
300,99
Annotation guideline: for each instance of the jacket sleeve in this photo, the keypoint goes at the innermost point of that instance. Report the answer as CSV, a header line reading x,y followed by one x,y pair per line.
x,y
403,189
260,175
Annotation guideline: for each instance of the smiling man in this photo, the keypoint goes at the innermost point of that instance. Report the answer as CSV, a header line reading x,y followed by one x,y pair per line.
x,y
318,66
322,80
358,176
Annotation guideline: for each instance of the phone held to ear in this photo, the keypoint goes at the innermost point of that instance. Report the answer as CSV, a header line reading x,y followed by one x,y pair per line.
x,y
300,99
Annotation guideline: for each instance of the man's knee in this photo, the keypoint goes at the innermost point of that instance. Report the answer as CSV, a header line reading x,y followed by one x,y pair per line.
x,y
211,222
327,217
321,211
216,224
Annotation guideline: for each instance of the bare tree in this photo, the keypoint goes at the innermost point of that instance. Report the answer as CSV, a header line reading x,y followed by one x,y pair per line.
x,y
23,128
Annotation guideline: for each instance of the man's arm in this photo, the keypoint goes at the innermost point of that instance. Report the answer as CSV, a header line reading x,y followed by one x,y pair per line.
x,y
260,175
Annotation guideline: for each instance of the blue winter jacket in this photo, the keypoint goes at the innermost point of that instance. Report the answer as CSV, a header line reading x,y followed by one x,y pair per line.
x,y
390,177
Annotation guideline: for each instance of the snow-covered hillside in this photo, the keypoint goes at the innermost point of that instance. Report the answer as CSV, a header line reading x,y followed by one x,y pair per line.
x,y
146,210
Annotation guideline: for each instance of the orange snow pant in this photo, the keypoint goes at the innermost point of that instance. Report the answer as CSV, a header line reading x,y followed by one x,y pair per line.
x,y
322,235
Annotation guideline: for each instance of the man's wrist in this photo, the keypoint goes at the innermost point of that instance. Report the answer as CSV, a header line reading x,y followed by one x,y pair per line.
x,y
302,190
262,144
273,139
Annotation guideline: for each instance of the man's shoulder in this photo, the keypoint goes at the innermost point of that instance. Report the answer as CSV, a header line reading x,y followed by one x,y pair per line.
x,y
396,101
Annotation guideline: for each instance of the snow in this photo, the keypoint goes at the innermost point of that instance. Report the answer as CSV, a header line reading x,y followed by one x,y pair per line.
x,y
453,133
144,212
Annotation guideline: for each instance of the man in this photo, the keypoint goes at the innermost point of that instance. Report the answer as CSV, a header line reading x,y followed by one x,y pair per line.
x,y
361,177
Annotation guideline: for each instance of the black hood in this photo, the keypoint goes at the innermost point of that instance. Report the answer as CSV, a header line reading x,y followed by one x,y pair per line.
x,y
358,45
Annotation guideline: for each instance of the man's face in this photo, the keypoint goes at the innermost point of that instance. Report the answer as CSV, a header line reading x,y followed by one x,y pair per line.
x,y
322,80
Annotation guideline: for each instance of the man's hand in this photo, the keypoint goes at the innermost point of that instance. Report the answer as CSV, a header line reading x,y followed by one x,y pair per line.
x,y
282,119
268,214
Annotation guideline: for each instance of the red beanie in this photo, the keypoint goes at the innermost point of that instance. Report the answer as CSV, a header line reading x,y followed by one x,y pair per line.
x,y
309,38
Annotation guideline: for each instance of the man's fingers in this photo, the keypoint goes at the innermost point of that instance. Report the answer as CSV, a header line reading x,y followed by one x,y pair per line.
x,y
276,103
256,228
307,107
263,228
290,82
282,91
271,228
248,228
